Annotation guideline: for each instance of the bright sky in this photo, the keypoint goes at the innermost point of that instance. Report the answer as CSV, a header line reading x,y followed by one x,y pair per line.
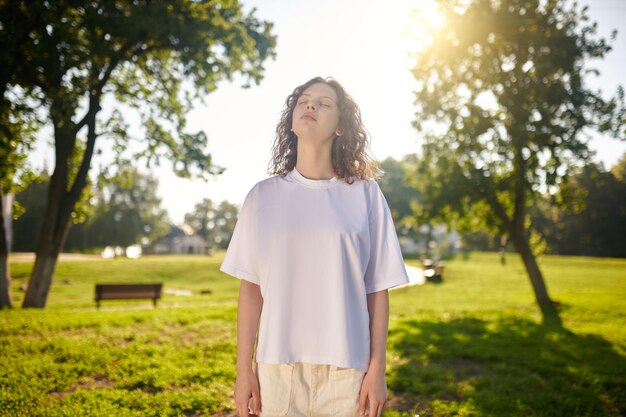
x,y
360,43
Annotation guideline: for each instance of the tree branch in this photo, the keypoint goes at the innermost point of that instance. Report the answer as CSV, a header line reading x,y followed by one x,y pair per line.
x,y
96,90
519,197
94,107
486,188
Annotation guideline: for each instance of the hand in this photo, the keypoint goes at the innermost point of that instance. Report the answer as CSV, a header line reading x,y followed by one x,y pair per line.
x,y
246,386
374,391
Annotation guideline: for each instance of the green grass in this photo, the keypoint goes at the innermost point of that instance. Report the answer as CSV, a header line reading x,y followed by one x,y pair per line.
x,y
471,346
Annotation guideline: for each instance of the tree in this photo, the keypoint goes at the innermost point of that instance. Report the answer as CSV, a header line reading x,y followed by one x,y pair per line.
x,y
27,226
12,157
591,219
399,195
502,104
126,209
157,57
215,224
18,122
119,209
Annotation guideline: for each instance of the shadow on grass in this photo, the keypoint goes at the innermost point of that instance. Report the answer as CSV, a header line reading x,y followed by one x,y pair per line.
x,y
510,367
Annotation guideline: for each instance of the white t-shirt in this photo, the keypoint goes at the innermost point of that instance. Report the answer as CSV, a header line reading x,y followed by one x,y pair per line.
x,y
316,248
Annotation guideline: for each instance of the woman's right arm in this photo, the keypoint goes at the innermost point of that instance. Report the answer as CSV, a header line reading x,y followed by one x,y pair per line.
x,y
248,314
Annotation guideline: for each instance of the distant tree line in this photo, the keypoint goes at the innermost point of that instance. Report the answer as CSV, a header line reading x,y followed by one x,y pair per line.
x,y
585,216
119,209
214,222
588,214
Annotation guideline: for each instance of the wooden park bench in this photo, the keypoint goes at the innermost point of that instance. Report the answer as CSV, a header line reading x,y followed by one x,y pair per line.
x,y
127,291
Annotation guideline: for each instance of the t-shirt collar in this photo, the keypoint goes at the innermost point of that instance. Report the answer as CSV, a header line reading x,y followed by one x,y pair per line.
x,y
297,176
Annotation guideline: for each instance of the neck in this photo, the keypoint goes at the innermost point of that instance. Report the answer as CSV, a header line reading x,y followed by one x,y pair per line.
x,y
315,162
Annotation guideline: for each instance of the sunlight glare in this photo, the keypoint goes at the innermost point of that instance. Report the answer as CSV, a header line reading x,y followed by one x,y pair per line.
x,y
427,20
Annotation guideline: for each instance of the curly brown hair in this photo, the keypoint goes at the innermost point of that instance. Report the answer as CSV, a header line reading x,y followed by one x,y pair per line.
x,y
349,154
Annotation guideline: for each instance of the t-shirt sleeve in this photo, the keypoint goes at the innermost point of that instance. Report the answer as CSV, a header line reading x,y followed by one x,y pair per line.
x,y
386,265
240,259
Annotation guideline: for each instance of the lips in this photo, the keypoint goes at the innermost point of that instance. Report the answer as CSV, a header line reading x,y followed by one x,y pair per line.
x,y
308,116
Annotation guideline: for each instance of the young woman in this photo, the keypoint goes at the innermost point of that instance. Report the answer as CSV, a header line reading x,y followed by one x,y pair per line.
x,y
316,251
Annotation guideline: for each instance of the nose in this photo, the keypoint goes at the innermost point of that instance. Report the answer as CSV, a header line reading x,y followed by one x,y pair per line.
x,y
311,105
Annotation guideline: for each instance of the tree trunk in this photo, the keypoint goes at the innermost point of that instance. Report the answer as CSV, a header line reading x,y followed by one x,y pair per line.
x,y
517,230
5,274
548,309
51,239
60,204
53,229
41,277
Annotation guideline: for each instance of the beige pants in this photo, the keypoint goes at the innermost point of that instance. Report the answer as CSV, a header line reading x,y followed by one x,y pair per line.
x,y
308,390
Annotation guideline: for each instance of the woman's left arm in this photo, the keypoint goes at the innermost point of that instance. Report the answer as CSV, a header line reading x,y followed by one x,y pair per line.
x,y
374,386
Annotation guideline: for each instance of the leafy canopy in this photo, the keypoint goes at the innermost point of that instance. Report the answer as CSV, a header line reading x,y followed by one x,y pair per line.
x,y
155,56
503,106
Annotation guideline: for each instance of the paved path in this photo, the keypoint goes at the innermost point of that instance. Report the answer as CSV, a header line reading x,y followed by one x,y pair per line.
x,y
416,276
30,256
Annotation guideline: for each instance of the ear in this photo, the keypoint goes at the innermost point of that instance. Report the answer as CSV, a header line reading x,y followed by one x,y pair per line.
x,y
338,132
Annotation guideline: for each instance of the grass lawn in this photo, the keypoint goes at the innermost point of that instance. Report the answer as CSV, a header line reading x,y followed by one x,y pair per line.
x,y
471,346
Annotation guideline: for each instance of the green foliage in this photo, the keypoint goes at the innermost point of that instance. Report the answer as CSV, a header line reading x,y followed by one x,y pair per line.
x,y
119,210
141,52
502,106
590,218
18,124
126,209
510,98
586,216
393,183
400,196
155,56
26,227
214,223
471,346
